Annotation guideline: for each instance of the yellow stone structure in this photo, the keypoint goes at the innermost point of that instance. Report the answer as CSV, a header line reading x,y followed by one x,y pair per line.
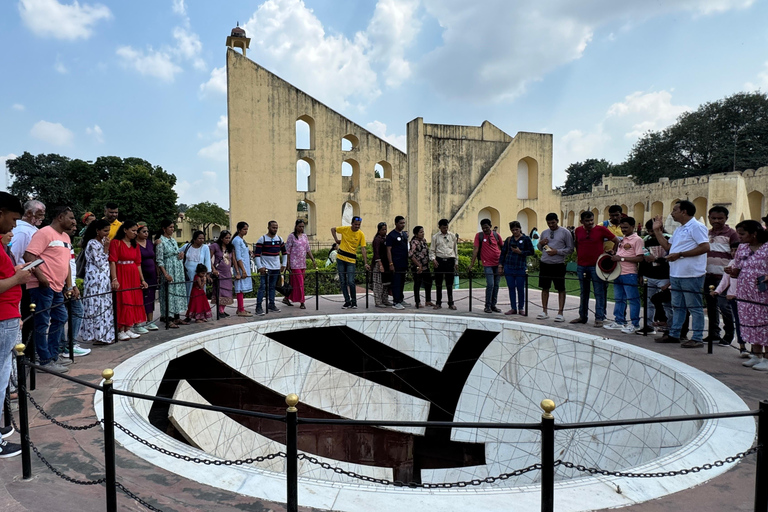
x,y
462,173
184,230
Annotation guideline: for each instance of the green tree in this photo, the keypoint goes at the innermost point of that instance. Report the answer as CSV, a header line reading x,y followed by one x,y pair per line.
x,y
182,207
580,176
205,214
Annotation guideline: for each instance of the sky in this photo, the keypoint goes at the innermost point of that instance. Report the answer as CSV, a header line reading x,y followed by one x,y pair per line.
x,y
146,78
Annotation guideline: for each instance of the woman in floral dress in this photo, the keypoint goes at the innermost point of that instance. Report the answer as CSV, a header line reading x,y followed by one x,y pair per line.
x,y
419,255
171,272
222,254
297,247
98,321
750,264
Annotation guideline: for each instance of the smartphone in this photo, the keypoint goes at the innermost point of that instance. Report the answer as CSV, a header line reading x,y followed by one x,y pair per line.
x,y
33,264
762,285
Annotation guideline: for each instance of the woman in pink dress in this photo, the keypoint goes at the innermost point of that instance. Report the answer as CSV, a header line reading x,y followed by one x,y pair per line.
x,y
127,280
750,266
297,247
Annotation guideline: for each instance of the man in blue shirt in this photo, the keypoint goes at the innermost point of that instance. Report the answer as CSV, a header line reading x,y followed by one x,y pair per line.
x,y
397,250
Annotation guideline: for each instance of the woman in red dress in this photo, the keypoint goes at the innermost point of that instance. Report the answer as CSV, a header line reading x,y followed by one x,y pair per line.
x,y
125,271
198,309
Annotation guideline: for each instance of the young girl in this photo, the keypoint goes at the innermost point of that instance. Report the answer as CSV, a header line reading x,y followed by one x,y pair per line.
x,y
198,308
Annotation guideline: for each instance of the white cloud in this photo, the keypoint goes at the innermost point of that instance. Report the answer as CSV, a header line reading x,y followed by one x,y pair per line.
x,y
4,170
217,84
154,63
60,67
380,130
494,57
221,127
96,132
649,111
52,133
393,28
189,47
18,106
206,188
762,83
179,7
290,39
50,19
218,151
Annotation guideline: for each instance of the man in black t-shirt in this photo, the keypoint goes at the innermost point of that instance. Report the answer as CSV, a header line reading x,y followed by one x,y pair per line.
x,y
397,252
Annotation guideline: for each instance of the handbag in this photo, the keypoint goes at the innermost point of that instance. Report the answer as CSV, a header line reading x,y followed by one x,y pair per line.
x,y
80,265
285,287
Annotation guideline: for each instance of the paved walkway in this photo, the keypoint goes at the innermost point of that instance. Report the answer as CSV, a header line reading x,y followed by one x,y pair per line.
x,y
80,454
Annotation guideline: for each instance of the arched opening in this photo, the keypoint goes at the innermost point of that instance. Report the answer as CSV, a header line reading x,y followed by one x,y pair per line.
x,y
701,208
349,142
595,212
755,200
638,212
571,216
673,203
383,170
350,176
305,210
527,178
305,175
305,132
657,209
624,209
527,219
348,210
215,231
606,214
488,213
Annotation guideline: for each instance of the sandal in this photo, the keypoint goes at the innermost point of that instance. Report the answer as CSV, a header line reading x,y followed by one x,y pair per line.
x,y
173,325
452,308
302,306
287,301
429,304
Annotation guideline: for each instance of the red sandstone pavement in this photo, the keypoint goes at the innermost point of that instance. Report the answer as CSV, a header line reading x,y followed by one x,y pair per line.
x,y
80,454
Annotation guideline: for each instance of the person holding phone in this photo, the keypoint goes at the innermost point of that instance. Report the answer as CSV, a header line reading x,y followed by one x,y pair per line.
x,y
750,266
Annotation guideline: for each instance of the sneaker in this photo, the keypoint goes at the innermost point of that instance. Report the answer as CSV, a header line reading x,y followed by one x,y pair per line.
x,y
346,305
259,311
667,339
630,329
578,321
645,330
752,361
123,336
273,309
487,310
692,344
398,305
52,366
63,360
132,335
80,351
559,318
615,326
598,323
381,305
9,449
139,329
762,366
743,353
354,305
724,343
150,326
6,431
406,304
542,316
244,313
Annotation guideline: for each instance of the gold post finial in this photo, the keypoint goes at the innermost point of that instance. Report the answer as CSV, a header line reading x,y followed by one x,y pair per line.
x,y
548,406
107,375
20,349
292,400
711,288
32,306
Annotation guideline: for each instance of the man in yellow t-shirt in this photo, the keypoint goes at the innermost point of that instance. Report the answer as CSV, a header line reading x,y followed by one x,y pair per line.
x,y
110,215
346,258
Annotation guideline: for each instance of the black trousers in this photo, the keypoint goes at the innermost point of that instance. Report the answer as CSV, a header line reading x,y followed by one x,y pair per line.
x,y
445,269
715,308
422,280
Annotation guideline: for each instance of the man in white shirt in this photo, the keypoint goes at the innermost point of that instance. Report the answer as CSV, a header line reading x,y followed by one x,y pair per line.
x,y
34,214
687,259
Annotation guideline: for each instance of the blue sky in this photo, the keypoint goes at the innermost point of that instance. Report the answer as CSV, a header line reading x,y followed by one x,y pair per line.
x,y
145,78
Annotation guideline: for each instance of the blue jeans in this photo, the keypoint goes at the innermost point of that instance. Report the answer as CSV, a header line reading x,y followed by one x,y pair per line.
x,y
272,276
686,296
584,284
9,335
516,283
347,280
492,279
50,322
625,289
76,311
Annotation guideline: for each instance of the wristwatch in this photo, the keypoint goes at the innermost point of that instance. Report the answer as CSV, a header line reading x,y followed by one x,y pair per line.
x,y
622,259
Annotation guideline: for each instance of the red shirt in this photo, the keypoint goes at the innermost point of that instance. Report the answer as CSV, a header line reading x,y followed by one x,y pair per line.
x,y
490,248
589,247
9,300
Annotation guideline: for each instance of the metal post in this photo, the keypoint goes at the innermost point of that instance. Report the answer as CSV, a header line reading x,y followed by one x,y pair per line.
x,y
526,293
470,290
114,314
710,343
317,290
291,453
217,290
645,306
761,471
32,352
109,440
7,406
167,305
26,461
70,331
547,456
367,284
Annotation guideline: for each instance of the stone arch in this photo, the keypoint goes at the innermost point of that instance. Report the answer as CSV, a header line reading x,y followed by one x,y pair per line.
x,y
755,200
307,211
595,212
624,209
350,176
571,215
605,213
638,212
673,203
305,175
488,212
527,178
382,170
348,210
305,132
349,142
657,208
527,219
701,207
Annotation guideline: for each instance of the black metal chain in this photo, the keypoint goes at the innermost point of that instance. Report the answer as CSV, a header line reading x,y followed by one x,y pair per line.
x,y
415,485
59,473
694,469
56,422
197,460
136,498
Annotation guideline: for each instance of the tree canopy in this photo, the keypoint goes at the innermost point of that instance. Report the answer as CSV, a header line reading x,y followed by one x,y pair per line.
x,y
205,214
725,135
582,175
143,192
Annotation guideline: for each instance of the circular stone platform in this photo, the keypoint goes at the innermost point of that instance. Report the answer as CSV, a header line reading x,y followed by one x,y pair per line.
x,y
589,378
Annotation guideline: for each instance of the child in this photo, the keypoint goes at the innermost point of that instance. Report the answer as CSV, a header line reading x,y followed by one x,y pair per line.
x,y
629,253
198,308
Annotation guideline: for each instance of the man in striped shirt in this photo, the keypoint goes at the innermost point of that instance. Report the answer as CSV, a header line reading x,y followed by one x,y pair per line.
x,y
721,236
271,260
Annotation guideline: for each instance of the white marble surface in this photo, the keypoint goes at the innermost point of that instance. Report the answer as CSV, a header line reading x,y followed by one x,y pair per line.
x,y
590,378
